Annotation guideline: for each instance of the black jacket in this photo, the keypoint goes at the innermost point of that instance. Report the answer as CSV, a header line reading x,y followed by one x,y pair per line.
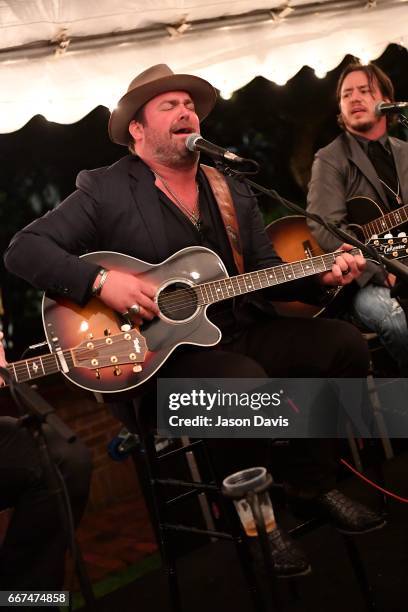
x,y
341,171
117,208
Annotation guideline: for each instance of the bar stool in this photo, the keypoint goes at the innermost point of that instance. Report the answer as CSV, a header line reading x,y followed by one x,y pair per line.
x,y
156,489
149,464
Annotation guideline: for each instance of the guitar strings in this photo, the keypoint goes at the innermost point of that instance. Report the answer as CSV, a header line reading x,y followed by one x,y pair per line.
x,y
396,219
176,300
68,353
179,294
23,368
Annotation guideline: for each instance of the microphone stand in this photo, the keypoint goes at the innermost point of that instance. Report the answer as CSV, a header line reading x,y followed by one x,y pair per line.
x,y
35,411
402,119
392,266
401,292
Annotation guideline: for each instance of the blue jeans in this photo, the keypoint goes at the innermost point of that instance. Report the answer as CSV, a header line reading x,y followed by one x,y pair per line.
x,y
378,311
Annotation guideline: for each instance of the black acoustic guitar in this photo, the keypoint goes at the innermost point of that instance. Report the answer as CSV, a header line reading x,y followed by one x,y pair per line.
x,y
367,219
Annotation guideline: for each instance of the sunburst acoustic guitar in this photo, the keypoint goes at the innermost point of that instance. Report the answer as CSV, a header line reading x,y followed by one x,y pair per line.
x,y
186,284
292,240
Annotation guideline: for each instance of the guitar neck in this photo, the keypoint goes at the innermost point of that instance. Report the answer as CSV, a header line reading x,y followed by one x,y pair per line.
x,y
385,223
216,291
36,367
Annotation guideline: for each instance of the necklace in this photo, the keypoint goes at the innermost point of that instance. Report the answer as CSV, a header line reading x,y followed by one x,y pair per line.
x,y
396,194
192,215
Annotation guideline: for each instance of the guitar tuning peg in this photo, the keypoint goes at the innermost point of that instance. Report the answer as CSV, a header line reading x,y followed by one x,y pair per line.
x,y
388,236
374,237
125,327
402,235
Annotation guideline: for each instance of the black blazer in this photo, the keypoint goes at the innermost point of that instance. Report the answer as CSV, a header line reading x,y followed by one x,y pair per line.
x,y
117,208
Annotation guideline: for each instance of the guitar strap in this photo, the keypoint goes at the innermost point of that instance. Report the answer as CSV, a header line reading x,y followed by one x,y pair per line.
x,y
223,197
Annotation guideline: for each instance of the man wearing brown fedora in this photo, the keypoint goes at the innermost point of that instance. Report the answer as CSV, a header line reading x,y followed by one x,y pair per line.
x,y
158,200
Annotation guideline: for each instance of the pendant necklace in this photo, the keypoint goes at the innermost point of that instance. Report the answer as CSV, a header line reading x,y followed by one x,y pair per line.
x,y
396,194
192,215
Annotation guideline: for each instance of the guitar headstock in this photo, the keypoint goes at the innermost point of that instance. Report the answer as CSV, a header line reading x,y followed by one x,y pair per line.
x,y
390,246
111,351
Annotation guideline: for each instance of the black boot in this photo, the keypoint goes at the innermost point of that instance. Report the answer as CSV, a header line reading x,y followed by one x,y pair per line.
x,y
287,558
347,516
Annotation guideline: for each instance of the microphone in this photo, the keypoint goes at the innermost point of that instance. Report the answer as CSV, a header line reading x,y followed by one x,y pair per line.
x,y
194,142
385,108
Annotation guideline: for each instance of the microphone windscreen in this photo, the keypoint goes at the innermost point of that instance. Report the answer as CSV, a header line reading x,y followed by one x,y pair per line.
x,y
378,110
191,141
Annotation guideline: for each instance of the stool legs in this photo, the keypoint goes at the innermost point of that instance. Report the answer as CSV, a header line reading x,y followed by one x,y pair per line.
x,y
360,573
241,546
166,533
165,539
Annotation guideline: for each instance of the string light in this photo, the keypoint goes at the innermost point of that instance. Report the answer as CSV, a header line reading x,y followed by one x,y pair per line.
x,y
279,79
226,94
365,57
360,52
320,72
275,72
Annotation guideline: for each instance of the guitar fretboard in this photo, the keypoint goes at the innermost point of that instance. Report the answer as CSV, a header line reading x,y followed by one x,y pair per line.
x,y
215,291
385,223
27,369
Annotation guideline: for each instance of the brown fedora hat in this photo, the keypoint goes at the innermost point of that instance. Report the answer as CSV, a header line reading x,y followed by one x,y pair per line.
x,y
150,83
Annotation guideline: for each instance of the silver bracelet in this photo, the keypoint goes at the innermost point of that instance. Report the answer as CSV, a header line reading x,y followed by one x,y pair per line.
x,y
96,291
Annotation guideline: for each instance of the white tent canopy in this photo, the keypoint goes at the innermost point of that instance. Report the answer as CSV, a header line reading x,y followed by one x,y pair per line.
x,y
61,58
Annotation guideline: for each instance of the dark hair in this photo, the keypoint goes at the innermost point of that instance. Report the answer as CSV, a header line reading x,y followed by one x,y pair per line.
x,y
139,117
374,75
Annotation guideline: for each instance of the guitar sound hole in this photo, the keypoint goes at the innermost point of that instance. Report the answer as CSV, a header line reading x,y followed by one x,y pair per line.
x,y
177,301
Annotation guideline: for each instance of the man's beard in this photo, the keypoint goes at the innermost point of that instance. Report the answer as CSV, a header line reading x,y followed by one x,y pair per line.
x,y
171,153
363,127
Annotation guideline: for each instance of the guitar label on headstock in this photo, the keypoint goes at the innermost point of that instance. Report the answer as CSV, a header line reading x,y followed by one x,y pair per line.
x,y
395,250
